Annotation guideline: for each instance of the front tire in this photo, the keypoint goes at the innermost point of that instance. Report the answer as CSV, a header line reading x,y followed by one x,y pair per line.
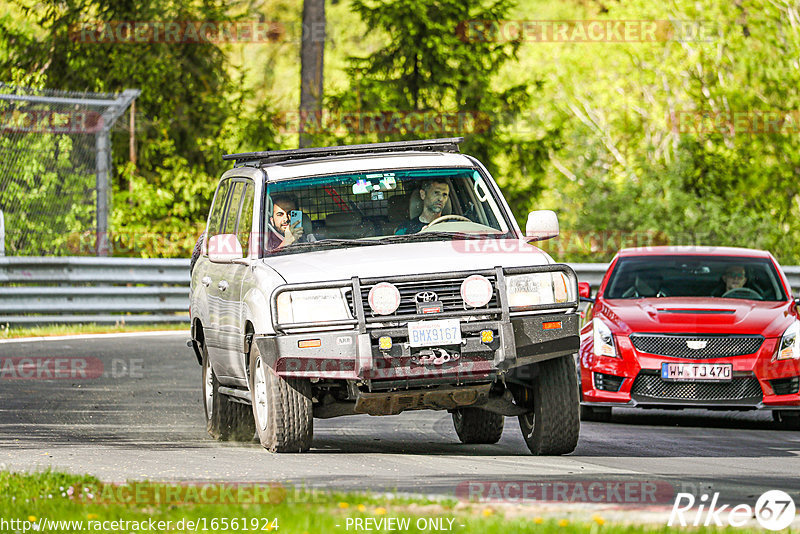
x,y
225,419
552,427
210,392
282,408
474,425
787,419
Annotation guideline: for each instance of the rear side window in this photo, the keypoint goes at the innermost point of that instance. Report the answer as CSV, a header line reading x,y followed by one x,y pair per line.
x,y
246,218
218,209
234,206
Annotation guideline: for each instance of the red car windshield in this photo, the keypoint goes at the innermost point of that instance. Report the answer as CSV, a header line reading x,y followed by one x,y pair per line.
x,y
695,276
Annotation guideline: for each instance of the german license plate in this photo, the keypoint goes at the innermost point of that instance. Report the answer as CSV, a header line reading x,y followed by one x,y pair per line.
x,y
695,372
434,333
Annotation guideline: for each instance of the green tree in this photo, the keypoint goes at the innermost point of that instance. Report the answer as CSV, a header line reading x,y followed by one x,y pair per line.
x,y
667,142
186,115
438,61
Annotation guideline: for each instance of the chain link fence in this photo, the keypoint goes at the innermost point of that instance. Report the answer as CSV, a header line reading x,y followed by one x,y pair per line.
x,y
54,169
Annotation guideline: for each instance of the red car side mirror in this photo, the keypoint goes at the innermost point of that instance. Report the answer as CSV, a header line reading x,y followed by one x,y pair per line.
x,y
584,290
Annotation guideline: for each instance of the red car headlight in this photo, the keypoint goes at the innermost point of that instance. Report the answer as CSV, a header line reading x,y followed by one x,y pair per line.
x,y
603,339
788,348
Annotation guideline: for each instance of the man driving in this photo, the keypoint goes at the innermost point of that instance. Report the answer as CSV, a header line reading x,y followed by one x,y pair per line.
x,y
734,277
434,195
280,233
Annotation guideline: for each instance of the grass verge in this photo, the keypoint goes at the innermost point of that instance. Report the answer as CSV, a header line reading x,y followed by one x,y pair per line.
x,y
10,332
58,502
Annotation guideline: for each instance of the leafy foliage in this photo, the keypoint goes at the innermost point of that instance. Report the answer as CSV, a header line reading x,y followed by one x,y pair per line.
x,y
187,115
692,139
433,64
668,139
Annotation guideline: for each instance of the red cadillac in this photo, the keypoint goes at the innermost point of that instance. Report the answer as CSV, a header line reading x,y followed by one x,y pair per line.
x,y
680,327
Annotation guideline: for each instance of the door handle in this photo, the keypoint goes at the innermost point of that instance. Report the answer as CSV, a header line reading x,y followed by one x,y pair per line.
x,y
206,281
223,285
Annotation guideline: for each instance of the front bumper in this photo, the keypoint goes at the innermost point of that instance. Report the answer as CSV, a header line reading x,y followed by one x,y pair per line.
x,y
348,349
758,382
353,355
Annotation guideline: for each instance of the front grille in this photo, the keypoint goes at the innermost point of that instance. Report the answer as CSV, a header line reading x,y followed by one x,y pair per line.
x,y
448,292
786,386
706,346
653,387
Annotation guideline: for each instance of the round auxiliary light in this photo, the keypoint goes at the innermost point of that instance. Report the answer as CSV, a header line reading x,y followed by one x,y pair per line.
x,y
384,298
476,291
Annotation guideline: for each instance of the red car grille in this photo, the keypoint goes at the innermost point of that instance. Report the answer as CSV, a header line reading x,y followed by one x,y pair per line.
x,y
696,346
653,387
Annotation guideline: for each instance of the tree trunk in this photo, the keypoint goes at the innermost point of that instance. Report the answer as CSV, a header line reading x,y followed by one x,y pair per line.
x,y
312,53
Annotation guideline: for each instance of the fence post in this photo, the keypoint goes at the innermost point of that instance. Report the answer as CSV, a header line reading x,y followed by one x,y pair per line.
x,y
2,235
101,161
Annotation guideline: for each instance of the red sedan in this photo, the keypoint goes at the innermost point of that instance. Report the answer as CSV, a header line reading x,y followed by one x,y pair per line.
x,y
680,327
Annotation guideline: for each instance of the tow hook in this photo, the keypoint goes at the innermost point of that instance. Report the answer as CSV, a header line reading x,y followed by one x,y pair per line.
x,y
437,356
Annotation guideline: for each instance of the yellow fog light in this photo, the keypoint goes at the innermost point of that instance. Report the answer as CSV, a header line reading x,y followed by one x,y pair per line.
x,y
384,343
487,336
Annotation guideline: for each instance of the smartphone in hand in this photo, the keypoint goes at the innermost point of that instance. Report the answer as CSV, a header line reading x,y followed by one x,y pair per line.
x,y
296,216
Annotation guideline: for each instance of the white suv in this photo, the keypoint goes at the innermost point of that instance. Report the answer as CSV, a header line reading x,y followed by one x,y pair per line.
x,y
374,279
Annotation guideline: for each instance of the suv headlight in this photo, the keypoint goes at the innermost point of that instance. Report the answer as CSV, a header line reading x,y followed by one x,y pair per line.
x,y
788,348
526,290
603,339
313,305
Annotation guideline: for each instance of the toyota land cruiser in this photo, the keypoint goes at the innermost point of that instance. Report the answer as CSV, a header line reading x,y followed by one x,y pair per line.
x,y
375,279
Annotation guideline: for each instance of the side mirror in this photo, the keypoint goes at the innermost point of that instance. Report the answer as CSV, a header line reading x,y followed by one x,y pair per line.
x,y
224,248
584,290
542,224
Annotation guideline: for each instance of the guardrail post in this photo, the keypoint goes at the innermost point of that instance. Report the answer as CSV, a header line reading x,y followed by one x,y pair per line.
x,y
2,235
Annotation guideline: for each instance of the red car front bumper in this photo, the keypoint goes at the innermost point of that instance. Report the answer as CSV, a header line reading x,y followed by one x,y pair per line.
x,y
634,379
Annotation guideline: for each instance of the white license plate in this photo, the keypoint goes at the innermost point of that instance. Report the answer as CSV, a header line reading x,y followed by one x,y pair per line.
x,y
695,372
434,333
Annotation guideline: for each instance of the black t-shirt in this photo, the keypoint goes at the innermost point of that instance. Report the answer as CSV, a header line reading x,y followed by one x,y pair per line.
x,y
411,226
274,238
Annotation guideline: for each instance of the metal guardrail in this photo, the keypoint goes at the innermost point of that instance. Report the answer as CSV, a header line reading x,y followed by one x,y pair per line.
x,y
38,290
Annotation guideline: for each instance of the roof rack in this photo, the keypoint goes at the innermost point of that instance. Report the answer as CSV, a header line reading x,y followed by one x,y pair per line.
x,y
448,144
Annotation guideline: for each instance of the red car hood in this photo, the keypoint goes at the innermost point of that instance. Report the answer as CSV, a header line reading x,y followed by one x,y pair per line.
x,y
700,315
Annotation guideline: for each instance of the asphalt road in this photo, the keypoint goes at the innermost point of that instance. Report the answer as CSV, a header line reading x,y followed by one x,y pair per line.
x,y
138,414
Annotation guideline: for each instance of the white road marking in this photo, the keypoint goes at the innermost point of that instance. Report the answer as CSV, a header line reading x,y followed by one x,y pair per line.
x,y
94,336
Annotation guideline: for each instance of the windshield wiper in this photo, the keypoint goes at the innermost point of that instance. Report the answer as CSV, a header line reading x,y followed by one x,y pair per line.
x,y
436,236
357,242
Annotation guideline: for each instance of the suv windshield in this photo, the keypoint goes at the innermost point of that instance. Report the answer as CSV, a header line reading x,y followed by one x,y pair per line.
x,y
695,276
373,208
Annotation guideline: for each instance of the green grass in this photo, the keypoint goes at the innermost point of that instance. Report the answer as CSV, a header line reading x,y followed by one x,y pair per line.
x,y
9,332
63,497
